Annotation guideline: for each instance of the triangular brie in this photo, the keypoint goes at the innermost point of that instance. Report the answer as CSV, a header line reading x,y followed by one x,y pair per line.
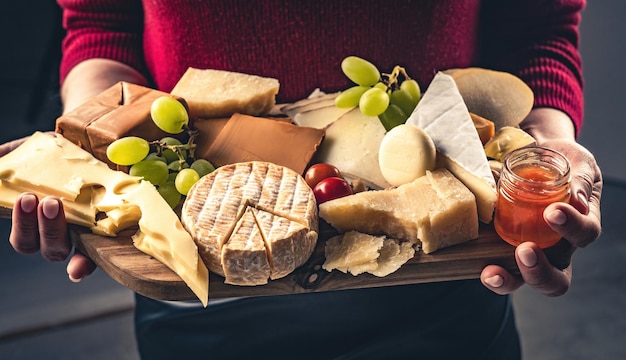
x,y
442,113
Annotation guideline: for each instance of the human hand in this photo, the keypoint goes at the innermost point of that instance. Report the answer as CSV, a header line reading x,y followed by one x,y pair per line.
x,y
579,222
40,225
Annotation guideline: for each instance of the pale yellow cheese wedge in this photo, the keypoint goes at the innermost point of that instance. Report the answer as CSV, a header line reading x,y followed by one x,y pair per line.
x,y
351,144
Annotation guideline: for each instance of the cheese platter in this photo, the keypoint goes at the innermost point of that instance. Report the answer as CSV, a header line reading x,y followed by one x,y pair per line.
x,y
256,223
147,276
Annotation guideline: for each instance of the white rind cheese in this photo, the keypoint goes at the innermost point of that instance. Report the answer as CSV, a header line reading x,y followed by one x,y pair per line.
x,y
443,114
219,210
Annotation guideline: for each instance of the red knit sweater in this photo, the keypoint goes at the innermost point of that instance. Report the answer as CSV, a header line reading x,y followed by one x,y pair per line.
x,y
302,43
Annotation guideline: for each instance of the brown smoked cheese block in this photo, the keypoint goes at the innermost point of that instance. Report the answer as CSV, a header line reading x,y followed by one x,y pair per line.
x,y
252,221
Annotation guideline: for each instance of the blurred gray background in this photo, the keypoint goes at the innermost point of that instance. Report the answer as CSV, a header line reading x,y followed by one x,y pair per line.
x,y
43,315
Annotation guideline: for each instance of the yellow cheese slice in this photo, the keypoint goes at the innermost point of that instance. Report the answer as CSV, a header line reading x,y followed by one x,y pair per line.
x,y
162,236
52,165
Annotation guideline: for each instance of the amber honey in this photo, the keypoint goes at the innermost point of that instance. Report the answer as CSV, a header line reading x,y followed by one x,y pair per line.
x,y
531,179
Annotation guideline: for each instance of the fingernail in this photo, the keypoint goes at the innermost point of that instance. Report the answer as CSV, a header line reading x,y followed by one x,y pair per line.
x,y
495,281
557,217
527,257
28,203
73,279
582,197
50,208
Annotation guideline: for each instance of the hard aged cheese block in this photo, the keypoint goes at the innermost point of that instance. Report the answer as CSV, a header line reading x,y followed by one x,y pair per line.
x,y
218,213
122,110
248,138
357,252
436,211
353,251
443,115
351,144
50,165
216,93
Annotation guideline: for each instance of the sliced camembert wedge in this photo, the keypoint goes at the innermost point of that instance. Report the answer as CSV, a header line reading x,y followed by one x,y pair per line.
x,y
219,212
442,113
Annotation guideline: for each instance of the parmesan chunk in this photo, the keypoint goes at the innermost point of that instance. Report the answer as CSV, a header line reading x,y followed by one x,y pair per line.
x,y
436,211
356,253
216,93
353,252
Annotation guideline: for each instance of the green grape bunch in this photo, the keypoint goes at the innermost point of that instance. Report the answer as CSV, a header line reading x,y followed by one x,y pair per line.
x,y
167,163
391,97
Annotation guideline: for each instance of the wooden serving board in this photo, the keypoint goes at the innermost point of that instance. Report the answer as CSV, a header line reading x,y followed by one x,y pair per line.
x,y
147,276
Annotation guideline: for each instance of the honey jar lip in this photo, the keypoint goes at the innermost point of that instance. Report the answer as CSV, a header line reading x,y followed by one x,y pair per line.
x,y
549,158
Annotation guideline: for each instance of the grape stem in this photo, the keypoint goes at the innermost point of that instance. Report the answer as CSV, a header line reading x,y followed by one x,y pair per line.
x,y
391,80
190,146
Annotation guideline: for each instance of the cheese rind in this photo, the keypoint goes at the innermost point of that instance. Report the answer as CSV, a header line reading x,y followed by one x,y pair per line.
x,y
244,257
279,200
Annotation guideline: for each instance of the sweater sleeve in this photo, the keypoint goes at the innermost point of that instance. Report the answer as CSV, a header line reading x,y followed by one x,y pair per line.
x,y
538,41
109,29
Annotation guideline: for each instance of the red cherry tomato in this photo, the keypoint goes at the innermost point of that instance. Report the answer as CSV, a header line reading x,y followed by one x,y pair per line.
x,y
319,172
331,188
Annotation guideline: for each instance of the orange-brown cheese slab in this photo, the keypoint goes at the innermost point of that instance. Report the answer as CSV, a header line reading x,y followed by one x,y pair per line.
x,y
122,110
248,138
217,214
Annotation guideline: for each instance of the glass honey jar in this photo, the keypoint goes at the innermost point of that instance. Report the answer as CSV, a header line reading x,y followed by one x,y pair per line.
x,y
531,179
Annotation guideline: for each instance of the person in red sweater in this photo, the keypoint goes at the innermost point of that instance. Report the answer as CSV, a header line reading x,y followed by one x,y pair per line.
x,y
302,44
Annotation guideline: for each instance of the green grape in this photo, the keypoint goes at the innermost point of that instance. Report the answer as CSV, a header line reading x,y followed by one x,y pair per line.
x,y
381,85
202,167
403,99
185,180
169,154
412,87
392,117
154,171
155,156
360,71
169,114
350,97
177,165
172,177
169,193
374,102
128,150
